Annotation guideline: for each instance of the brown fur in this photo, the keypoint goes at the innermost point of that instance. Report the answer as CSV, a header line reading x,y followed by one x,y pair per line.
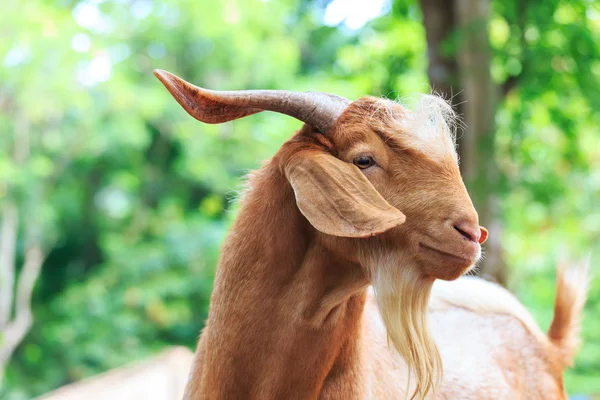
x,y
273,331
313,231
571,293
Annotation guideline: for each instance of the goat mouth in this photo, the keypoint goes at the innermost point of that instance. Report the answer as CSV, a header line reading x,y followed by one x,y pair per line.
x,y
443,253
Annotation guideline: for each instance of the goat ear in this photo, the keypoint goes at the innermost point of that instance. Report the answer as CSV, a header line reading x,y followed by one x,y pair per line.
x,y
337,199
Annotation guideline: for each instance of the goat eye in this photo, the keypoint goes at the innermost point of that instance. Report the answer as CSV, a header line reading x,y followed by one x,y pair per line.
x,y
363,162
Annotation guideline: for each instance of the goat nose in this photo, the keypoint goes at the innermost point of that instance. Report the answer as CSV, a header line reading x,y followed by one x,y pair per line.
x,y
469,230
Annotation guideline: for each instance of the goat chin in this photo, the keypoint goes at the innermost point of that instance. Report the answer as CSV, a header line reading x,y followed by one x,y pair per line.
x,y
402,295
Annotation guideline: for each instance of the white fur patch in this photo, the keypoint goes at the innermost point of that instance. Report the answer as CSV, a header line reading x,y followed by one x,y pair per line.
x,y
482,297
430,127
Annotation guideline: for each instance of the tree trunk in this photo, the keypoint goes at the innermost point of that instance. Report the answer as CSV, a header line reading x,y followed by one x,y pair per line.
x,y
9,223
17,328
15,299
444,78
466,20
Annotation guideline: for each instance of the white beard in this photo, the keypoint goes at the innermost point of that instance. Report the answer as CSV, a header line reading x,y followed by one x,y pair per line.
x,y
402,295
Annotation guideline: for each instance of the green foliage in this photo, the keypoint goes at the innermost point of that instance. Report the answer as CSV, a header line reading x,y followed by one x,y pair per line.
x,y
549,151
134,197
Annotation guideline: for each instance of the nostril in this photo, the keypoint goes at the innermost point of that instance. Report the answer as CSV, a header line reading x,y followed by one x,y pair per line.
x,y
468,232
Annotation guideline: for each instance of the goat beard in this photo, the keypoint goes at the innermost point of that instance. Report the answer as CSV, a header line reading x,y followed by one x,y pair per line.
x,y
402,295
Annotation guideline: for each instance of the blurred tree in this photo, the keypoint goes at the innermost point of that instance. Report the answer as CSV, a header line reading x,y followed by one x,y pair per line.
x,y
15,300
461,64
27,175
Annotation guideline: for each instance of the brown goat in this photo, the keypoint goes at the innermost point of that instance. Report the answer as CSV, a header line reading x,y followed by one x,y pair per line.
x,y
365,193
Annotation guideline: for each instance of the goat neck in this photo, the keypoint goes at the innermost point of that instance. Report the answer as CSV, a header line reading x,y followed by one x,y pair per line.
x,y
286,307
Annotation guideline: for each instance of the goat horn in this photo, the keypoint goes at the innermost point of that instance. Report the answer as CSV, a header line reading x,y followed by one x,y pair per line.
x,y
320,110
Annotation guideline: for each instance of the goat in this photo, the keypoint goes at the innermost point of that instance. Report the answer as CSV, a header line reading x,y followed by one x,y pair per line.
x,y
490,345
365,193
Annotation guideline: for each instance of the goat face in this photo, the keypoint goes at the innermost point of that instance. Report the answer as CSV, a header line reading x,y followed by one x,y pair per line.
x,y
387,172
410,159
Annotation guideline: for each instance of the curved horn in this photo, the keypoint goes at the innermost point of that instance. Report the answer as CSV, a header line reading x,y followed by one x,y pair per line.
x,y
320,110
